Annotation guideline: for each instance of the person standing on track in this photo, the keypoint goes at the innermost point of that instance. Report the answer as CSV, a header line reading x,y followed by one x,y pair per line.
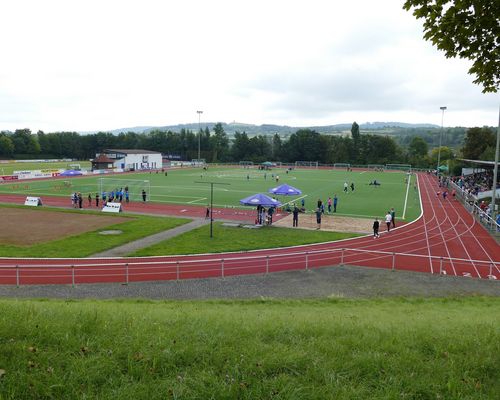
x,y
393,217
143,195
388,219
318,217
376,226
335,201
97,199
295,216
329,205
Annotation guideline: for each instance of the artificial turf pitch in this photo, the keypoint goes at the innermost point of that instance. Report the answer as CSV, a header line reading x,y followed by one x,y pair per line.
x,y
190,186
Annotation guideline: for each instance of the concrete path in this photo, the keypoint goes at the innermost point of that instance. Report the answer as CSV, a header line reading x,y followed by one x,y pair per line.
x,y
122,251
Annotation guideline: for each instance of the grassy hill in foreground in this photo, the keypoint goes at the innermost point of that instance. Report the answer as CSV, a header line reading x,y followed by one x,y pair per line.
x,y
311,349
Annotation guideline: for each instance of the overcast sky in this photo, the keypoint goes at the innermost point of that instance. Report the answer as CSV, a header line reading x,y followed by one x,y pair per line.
x,y
102,65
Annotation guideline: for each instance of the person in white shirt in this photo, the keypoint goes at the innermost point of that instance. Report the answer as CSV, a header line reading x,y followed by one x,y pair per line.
x,y
388,219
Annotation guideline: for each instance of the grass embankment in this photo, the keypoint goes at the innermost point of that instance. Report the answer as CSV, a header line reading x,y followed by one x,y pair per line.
x,y
198,241
323,349
88,243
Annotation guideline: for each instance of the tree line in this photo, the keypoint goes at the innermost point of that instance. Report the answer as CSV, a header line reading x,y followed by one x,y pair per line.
x,y
215,146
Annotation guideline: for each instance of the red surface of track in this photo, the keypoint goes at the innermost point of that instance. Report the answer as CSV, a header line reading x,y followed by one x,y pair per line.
x,y
446,239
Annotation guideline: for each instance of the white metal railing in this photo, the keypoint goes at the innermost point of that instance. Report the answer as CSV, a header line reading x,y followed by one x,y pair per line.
x,y
469,202
128,270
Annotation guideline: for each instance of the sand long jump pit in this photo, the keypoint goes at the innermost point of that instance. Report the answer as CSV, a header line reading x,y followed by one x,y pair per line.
x,y
25,227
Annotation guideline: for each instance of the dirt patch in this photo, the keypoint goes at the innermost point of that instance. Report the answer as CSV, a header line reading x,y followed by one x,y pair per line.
x,y
329,223
27,227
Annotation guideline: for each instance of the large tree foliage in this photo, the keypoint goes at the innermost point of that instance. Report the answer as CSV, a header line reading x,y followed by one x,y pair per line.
x,y
6,146
479,144
445,154
216,146
467,29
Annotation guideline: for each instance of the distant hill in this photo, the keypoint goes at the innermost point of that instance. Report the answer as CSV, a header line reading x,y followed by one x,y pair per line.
x,y
268,129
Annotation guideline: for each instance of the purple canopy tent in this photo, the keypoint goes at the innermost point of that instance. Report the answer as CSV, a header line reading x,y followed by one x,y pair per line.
x,y
260,199
71,172
285,190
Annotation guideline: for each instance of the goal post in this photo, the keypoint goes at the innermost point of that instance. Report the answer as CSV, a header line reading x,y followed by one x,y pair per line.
x,y
308,164
376,167
198,162
341,165
399,167
246,164
134,186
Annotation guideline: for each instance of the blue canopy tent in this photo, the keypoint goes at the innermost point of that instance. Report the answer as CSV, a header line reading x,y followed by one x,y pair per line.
x,y
71,172
260,199
285,190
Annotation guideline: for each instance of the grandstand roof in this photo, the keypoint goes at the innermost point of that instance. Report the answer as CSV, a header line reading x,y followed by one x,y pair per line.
x,y
480,162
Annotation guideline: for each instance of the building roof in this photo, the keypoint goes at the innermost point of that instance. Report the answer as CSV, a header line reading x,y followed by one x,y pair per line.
x,y
102,158
130,151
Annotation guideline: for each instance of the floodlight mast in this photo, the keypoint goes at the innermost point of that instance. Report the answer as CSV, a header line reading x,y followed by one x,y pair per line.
x,y
495,172
440,139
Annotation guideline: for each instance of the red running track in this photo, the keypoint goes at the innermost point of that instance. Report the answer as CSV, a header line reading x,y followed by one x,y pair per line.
x,y
445,239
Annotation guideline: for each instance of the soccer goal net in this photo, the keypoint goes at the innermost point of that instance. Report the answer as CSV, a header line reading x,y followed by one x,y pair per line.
x,y
198,162
309,164
341,165
76,167
399,167
134,187
376,167
246,164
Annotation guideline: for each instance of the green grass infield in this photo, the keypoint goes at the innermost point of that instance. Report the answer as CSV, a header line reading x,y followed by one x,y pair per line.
x,y
198,241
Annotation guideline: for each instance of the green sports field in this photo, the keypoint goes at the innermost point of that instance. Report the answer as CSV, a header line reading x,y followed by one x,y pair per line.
x,y
182,187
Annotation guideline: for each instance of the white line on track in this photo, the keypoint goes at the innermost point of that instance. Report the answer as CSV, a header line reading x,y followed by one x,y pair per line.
x,y
406,197
441,232
426,232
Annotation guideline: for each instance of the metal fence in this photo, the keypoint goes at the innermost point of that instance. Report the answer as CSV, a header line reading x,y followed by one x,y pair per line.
x,y
125,271
470,203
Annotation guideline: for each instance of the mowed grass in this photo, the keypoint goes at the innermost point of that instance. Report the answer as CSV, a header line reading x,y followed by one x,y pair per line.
x,y
261,349
181,186
7,168
88,243
198,241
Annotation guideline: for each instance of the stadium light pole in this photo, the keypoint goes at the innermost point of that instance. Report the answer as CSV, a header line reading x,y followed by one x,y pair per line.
x,y
495,172
440,139
199,133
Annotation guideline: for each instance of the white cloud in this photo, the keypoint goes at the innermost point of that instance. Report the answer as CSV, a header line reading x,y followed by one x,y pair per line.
x,y
110,64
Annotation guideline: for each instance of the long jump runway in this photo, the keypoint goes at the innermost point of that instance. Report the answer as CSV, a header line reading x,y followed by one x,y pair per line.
x,y
446,239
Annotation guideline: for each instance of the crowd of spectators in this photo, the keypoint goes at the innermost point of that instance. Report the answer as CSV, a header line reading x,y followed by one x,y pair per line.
x,y
475,183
